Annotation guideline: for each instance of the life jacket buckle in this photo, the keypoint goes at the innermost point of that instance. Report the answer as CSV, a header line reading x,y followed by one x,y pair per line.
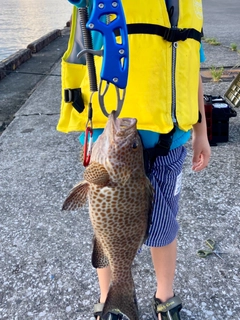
x,y
175,34
68,96
183,34
74,96
169,34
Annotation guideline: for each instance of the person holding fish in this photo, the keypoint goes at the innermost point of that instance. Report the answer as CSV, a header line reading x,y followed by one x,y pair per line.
x,y
165,94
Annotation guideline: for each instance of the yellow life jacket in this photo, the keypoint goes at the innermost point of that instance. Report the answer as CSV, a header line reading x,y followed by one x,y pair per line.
x,y
162,89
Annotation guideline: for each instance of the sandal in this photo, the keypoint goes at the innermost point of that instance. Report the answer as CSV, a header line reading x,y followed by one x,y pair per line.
x,y
98,308
169,310
113,315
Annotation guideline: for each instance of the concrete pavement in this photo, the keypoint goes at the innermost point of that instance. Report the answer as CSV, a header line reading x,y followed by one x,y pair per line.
x,y
221,21
45,254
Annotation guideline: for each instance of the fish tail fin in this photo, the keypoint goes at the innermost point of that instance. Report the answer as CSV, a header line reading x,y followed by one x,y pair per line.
x,y
121,300
77,197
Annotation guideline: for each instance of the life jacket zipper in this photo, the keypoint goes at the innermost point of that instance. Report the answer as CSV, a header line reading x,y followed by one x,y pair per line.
x,y
174,54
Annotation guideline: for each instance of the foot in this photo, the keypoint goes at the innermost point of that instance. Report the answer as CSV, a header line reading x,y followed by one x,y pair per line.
x,y
166,310
98,308
163,298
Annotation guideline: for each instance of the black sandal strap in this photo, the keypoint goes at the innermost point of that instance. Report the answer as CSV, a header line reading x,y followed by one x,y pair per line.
x,y
98,308
169,304
169,310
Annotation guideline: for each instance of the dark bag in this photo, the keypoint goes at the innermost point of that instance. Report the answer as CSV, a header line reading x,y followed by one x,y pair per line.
x,y
218,112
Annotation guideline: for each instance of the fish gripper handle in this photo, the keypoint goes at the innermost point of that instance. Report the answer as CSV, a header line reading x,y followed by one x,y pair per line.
x,y
116,54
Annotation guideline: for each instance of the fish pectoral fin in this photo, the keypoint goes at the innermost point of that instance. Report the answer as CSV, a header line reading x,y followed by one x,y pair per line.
x,y
77,197
97,174
99,260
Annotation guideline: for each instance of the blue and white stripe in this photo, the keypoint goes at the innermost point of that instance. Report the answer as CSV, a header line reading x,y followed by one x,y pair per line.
x,y
165,178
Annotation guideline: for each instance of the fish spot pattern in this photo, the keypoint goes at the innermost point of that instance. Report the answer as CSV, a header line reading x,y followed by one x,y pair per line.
x,y
120,199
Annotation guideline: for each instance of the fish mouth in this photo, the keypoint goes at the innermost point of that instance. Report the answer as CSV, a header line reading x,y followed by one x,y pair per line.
x,y
122,126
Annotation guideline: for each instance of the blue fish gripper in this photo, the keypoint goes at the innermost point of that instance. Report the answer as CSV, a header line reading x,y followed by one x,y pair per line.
x,y
108,17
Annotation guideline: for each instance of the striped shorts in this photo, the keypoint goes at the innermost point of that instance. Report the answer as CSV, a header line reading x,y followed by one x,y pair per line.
x,y
166,180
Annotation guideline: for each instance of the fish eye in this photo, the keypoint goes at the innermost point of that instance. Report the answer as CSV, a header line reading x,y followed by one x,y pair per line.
x,y
135,145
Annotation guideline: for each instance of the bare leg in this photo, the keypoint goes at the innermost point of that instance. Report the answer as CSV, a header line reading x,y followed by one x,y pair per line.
x,y
104,278
164,261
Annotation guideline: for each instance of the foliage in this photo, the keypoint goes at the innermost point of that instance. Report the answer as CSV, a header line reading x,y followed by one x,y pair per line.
x,y
216,73
212,41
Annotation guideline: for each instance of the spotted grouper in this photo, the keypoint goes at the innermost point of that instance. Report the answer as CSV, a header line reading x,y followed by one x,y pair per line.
x,y
120,199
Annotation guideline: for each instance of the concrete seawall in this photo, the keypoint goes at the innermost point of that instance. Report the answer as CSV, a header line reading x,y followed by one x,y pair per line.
x,y
12,62
21,72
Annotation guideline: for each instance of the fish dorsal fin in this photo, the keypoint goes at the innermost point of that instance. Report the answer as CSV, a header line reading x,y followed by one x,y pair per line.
x,y
77,197
97,174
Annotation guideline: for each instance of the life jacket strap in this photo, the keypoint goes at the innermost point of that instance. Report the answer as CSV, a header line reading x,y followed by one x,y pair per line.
x,y
168,34
162,148
74,96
